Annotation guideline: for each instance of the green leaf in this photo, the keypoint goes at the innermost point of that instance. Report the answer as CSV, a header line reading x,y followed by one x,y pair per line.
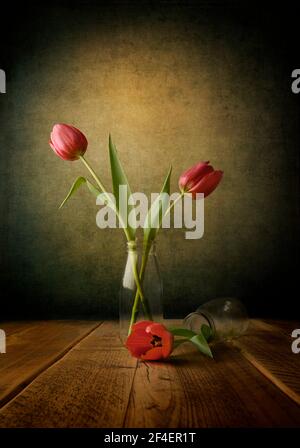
x,y
182,332
92,188
178,342
156,210
119,178
202,345
76,184
200,340
206,331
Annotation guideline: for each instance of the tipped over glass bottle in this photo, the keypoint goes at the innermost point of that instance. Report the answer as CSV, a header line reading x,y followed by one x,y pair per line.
x,y
227,318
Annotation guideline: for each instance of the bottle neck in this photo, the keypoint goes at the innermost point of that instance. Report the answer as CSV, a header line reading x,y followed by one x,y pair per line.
x,y
195,320
140,247
132,246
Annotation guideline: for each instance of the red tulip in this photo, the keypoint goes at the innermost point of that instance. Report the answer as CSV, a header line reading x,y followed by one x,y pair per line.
x,y
68,142
201,178
149,341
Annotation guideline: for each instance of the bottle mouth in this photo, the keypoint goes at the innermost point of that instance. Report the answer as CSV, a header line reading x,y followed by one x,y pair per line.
x,y
209,321
202,319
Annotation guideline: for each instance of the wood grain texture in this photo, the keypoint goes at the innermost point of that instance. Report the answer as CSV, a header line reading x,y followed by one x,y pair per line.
x,y
89,387
34,346
193,391
267,346
95,383
281,326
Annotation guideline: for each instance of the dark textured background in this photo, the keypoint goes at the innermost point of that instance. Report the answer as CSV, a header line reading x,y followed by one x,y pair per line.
x,y
174,82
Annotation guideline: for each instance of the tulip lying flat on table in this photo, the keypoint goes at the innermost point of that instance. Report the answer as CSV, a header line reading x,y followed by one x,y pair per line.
x,y
151,341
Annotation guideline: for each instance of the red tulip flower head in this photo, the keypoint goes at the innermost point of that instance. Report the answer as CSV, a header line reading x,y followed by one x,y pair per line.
x,y
201,178
150,341
68,142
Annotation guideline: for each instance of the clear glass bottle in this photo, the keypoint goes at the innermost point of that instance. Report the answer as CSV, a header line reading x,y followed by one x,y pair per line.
x,y
152,306
227,317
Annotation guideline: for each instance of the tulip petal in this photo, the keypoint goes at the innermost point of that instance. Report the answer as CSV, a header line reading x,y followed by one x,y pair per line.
x,y
167,344
68,142
207,184
139,343
156,329
166,337
69,134
192,176
192,170
63,141
142,325
154,354
63,154
142,343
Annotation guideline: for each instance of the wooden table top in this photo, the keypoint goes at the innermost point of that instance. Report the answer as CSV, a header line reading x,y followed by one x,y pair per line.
x,y
77,374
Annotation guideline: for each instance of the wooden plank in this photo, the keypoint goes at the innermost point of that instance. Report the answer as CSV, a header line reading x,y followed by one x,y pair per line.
x,y
96,384
193,391
12,327
88,387
32,347
284,326
268,348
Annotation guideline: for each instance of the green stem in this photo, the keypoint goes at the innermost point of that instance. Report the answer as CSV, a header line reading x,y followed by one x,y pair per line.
x,y
144,301
134,264
138,277
138,295
180,341
171,206
136,303
100,184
